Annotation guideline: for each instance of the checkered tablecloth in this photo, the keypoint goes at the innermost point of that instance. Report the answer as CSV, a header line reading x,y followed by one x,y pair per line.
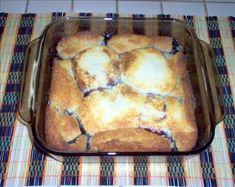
x,y
22,164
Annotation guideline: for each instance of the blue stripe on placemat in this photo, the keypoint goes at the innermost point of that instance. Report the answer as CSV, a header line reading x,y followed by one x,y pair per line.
x,y
232,27
215,41
189,21
230,132
3,18
163,16
11,107
57,15
111,27
106,170
10,104
208,170
84,23
230,125
112,15
13,87
175,171
36,168
70,171
138,27
16,67
6,131
85,15
141,170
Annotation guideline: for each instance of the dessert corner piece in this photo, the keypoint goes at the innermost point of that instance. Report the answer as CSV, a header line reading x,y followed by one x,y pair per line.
x,y
69,46
131,95
62,132
129,140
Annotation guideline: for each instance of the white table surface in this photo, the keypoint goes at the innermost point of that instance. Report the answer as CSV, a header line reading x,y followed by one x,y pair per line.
x,y
176,7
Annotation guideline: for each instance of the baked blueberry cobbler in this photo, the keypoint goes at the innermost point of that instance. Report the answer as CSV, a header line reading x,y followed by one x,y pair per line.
x,y
130,93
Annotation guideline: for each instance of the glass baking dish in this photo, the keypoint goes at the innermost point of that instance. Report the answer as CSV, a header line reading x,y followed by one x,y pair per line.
x,y
200,65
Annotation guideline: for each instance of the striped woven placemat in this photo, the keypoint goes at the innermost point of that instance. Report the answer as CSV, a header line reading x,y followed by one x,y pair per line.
x,y
22,164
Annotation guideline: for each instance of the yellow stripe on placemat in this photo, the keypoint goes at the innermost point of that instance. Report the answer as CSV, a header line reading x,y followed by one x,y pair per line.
x,y
52,172
89,170
200,28
19,156
7,49
158,171
192,171
41,21
123,170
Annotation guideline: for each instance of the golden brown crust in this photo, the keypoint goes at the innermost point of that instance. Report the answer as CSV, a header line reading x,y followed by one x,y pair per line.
x,y
137,100
68,47
96,68
64,93
182,107
130,139
123,43
54,139
79,145
119,107
181,124
147,71
162,43
60,130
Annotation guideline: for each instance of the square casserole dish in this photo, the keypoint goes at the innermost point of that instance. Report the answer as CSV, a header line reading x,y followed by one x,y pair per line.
x,y
198,62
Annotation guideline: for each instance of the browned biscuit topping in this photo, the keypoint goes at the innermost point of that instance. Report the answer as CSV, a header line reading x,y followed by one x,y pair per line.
x,y
131,95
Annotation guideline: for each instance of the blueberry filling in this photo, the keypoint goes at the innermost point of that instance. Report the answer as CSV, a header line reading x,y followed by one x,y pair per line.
x,y
88,92
110,84
68,113
73,140
174,148
88,142
107,37
82,129
160,132
176,47
151,95
83,132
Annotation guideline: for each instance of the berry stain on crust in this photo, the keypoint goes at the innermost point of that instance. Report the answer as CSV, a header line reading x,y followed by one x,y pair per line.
x,y
161,132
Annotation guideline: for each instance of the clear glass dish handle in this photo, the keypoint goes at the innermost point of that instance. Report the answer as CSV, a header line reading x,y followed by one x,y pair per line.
x,y
215,95
27,96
